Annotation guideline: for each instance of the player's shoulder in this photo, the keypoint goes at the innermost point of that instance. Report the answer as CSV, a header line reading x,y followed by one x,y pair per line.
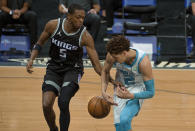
x,y
51,25
86,35
86,38
53,22
145,62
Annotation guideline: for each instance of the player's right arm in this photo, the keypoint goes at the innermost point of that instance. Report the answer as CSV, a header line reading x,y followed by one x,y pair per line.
x,y
105,76
48,31
4,6
193,8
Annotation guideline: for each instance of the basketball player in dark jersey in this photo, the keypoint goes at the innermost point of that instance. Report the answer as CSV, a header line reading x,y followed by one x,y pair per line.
x,y
65,69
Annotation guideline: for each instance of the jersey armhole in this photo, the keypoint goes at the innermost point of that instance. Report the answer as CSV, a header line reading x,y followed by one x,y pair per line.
x,y
140,62
80,38
56,28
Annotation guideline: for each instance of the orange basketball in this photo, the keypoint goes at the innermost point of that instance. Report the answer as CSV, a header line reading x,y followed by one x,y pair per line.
x,y
98,107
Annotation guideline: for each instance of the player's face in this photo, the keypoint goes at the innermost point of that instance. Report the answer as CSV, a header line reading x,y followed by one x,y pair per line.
x,y
77,18
120,58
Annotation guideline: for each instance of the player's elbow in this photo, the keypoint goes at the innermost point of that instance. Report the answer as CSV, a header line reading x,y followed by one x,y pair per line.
x,y
151,94
150,88
98,70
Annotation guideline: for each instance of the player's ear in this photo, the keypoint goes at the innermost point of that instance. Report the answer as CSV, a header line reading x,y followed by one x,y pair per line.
x,y
68,15
124,53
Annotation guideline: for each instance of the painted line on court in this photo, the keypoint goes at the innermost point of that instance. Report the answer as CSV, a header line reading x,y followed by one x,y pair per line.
x,y
94,83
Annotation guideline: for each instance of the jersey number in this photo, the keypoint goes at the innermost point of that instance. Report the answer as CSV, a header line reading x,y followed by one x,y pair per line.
x,y
63,53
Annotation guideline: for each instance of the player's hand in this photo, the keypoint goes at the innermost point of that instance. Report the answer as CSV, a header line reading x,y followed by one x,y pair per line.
x,y
117,84
29,66
92,11
123,93
109,99
16,14
63,9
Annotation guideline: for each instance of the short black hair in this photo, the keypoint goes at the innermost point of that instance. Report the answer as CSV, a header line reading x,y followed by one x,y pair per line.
x,y
73,7
118,44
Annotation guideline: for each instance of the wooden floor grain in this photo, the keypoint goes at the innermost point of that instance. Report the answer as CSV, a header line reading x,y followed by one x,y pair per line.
x,y
172,108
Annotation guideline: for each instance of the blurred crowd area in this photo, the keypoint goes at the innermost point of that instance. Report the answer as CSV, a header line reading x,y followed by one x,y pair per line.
x,y
164,32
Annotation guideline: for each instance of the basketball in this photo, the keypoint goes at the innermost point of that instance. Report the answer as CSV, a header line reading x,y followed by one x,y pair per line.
x,y
98,107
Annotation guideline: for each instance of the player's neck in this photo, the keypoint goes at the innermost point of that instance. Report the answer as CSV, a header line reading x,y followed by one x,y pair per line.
x,y
68,27
130,57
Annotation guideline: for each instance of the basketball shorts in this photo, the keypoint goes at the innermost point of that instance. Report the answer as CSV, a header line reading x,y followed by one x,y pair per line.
x,y
54,81
130,110
126,109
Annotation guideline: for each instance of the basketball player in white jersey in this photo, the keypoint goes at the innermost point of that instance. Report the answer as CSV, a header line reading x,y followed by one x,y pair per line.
x,y
134,72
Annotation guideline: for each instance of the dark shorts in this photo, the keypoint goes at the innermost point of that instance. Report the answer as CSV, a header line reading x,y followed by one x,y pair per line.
x,y
55,79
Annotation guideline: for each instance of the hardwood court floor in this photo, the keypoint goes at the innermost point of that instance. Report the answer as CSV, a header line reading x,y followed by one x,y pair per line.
x,y
172,108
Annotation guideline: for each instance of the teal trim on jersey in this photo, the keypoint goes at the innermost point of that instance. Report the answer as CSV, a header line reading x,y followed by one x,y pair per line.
x,y
131,65
53,84
148,93
140,61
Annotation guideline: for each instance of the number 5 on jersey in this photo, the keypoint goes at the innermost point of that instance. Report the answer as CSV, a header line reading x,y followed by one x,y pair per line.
x,y
63,53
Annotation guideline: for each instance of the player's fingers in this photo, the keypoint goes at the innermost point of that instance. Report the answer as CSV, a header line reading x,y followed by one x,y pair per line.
x,y
119,94
120,89
29,69
108,99
111,102
115,104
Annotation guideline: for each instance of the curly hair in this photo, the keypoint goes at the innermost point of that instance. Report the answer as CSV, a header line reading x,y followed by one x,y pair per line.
x,y
117,44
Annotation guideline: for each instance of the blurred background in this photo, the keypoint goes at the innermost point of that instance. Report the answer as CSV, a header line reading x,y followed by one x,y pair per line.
x,y
162,28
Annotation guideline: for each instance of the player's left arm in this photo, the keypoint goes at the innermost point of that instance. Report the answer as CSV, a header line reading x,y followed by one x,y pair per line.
x,y
88,42
145,69
25,7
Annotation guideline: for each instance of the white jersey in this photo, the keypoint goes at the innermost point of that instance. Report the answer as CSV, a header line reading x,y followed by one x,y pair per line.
x,y
132,79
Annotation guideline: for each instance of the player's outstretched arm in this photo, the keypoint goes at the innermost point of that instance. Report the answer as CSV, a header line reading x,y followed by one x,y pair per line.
x,y
88,42
49,29
105,78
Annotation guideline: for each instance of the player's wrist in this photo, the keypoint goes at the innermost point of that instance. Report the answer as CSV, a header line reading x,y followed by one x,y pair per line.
x,y
112,81
30,60
104,94
131,95
11,12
